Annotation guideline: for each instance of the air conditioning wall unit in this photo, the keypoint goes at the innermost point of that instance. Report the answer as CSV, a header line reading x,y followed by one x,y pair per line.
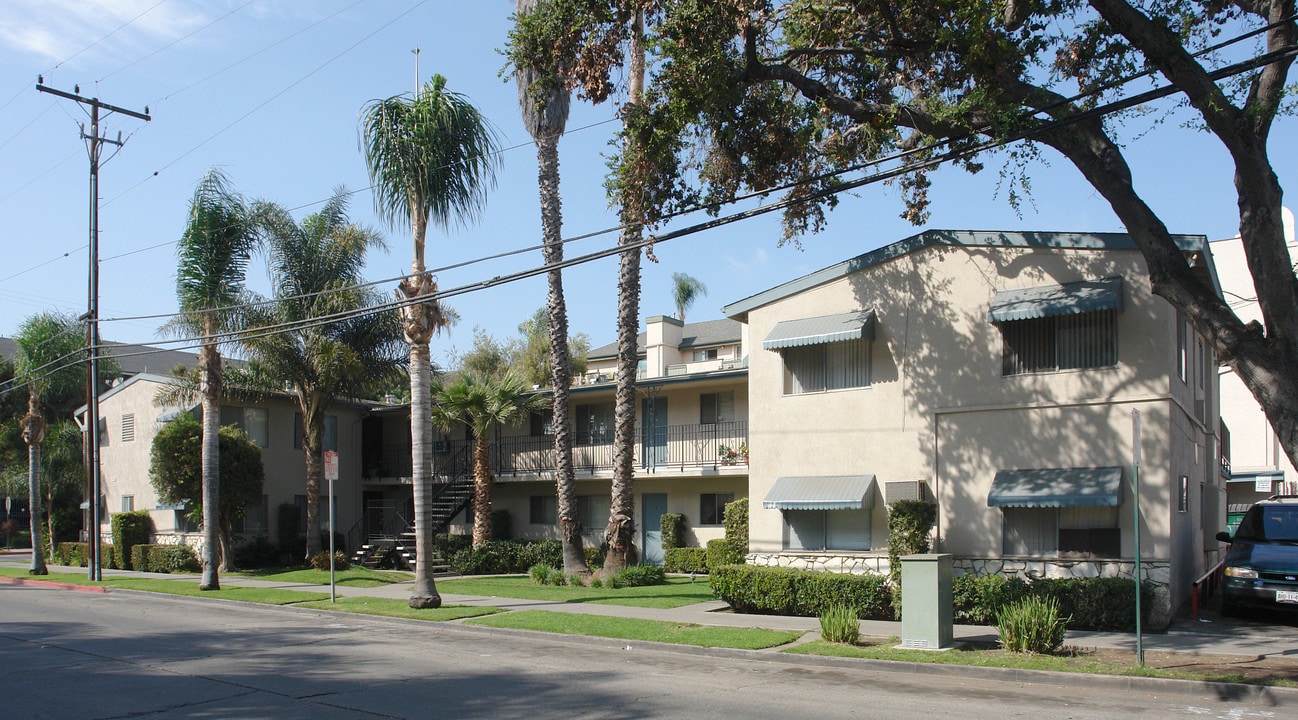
x,y
905,490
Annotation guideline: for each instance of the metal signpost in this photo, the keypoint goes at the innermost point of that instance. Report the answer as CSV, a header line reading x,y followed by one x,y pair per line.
x,y
331,474
1135,509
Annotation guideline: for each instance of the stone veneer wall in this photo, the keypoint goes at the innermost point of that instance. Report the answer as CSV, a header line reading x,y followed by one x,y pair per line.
x,y
1157,573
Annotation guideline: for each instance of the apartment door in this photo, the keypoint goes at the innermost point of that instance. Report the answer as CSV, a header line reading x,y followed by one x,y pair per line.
x,y
653,507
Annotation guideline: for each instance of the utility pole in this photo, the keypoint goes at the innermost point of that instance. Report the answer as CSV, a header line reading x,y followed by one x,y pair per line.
x,y
94,144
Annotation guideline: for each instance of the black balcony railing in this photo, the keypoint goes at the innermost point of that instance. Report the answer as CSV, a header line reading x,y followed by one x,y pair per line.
x,y
658,448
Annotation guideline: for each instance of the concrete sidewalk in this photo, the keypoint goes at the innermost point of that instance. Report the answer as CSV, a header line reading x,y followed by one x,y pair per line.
x,y
1210,636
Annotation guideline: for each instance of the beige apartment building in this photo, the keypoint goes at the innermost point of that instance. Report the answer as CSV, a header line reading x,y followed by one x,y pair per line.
x,y
997,373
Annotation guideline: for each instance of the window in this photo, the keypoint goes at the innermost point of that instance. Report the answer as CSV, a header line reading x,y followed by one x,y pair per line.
x,y
703,355
298,431
253,421
829,366
1182,347
1183,496
827,529
541,423
718,407
544,510
1060,342
594,423
712,507
1062,532
253,519
593,513
330,434
128,427
128,503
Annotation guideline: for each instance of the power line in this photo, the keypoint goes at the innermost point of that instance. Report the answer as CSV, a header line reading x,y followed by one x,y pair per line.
x,y
178,40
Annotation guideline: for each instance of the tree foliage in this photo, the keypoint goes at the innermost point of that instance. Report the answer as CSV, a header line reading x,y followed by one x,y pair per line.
x,y
175,471
791,96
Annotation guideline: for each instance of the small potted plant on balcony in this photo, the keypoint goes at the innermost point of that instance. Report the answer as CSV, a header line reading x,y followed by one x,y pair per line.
x,y
728,454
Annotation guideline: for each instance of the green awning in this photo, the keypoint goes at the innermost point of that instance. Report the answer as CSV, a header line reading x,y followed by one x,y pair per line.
x,y
821,492
820,330
1068,299
1057,487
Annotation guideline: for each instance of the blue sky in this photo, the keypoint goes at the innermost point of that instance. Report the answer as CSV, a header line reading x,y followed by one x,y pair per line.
x,y
270,90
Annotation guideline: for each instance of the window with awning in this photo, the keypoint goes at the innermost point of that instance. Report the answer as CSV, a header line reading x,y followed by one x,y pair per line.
x,y
830,352
1058,327
827,512
1063,512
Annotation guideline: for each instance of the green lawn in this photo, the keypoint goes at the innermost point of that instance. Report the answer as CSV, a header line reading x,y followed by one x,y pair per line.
x,y
361,577
399,608
634,629
183,585
676,593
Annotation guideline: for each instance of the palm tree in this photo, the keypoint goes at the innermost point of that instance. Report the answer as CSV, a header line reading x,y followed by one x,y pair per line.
x,y
430,157
544,102
314,268
685,290
50,352
213,255
481,404
620,532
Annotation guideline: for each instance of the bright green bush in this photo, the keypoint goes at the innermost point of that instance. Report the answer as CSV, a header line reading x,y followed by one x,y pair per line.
x,y
977,598
641,575
909,525
500,557
1032,625
721,552
839,624
130,529
807,593
72,554
543,574
1097,603
171,559
595,556
673,530
685,559
735,520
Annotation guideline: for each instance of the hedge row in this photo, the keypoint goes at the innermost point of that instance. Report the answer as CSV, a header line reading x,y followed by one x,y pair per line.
x,y
789,591
1093,603
500,557
77,554
130,529
165,558
685,560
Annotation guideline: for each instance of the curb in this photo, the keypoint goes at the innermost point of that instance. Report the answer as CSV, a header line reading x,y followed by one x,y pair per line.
x,y
1220,691
52,584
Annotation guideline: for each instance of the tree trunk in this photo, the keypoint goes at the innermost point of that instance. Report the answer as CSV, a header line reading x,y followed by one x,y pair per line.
x,y
481,490
418,323
227,544
620,532
34,435
574,555
210,385
313,450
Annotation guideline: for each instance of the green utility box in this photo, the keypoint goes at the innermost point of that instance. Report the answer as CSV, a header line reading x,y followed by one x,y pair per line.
x,y
926,603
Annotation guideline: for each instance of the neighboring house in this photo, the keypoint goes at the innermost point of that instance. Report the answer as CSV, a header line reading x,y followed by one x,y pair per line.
x,y
997,374
693,402
1258,465
130,419
133,359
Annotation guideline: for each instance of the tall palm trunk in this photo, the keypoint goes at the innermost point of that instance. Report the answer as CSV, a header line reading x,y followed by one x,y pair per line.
x,y
481,489
210,385
34,434
418,323
620,533
312,449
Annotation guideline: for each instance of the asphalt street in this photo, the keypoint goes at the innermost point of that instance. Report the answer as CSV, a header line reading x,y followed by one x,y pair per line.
x,y
69,655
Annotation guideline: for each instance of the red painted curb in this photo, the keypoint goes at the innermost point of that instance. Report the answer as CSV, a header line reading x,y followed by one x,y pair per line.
x,y
51,584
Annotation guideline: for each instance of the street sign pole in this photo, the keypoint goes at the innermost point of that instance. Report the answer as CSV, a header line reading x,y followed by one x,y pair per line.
x,y
331,474
1135,509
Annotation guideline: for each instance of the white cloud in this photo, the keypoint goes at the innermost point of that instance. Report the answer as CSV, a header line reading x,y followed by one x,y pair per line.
x,y
756,258
53,31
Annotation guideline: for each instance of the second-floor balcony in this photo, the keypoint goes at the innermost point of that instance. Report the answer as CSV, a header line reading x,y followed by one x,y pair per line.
x,y
657,449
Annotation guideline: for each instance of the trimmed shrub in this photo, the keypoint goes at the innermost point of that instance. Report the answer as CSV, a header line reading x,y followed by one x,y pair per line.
x,y
1097,603
978,598
1032,625
131,529
140,557
500,557
641,575
72,554
909,525
108,558
839,624
320,561
685,559
720,552
447,545
595,556
808,593
736,524
673,529
171,559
